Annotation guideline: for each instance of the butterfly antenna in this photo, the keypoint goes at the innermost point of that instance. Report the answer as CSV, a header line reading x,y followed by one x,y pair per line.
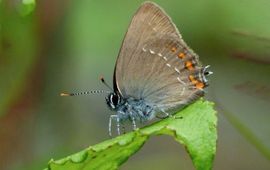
x,y
84,93
105,83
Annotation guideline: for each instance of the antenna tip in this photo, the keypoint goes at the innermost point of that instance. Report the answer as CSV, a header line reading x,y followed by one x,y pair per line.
x,y
65,94
102,79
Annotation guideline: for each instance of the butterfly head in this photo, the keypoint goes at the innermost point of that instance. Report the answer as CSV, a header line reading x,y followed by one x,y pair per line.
x,y
113,100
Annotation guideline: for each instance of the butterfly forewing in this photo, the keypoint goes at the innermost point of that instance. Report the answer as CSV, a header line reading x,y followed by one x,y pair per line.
x,y
154,63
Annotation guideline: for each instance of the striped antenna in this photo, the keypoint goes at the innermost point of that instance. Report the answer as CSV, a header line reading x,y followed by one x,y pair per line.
x,y
84,93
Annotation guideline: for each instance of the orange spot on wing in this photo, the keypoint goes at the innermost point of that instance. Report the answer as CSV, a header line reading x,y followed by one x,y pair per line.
x,y
189,65
181,55
173,49
192,79
199,85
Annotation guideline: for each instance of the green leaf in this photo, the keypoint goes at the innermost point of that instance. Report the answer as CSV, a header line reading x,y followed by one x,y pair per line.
x,y
19,45
196,130
27,7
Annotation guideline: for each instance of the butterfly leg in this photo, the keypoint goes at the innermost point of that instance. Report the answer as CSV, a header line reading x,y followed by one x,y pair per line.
x,y
133,123
110,123
123,129
118,125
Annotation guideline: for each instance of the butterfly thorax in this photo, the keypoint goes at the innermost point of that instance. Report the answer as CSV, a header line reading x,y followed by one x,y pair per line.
x,y
130,108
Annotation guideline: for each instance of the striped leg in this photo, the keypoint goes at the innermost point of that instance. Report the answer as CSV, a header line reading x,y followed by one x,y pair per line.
x,y
110,123
118,125
133,123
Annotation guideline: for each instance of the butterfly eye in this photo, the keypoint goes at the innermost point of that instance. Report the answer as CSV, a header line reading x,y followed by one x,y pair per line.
x,y
115,99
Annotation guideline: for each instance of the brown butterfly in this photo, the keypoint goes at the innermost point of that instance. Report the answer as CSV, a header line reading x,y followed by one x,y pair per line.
x,y
156,72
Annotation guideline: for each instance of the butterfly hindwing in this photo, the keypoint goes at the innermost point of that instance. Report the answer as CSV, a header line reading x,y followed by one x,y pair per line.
x,y
155,64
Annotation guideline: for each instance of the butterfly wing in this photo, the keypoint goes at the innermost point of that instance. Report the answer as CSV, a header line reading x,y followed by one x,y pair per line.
x,y
155,64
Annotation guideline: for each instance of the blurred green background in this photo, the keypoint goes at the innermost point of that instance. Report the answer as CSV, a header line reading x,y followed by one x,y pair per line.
x,y
47,47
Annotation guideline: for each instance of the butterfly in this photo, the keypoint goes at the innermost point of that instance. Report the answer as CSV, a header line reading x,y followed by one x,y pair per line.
x,y
155,72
